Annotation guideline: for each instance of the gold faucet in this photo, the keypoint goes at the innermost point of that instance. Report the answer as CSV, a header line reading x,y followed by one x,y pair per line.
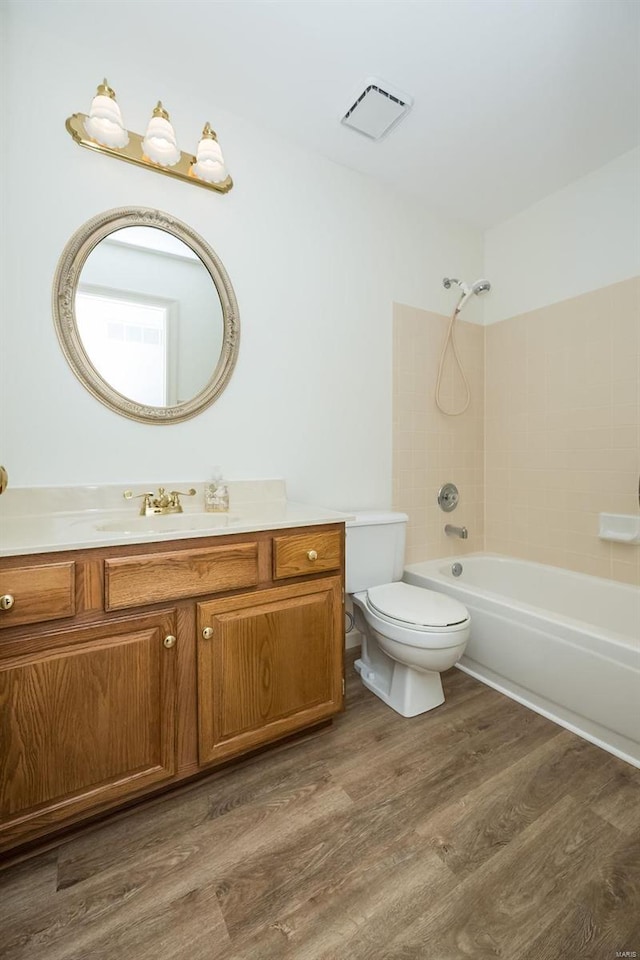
x,y
162,502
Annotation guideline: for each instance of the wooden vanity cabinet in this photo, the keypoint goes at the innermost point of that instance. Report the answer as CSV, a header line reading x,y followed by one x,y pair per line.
x,y
268,663
87,717
126,670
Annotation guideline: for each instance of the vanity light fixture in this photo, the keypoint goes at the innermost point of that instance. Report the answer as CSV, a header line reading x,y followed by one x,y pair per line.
x,y
103,130
160,144
209,163
104,122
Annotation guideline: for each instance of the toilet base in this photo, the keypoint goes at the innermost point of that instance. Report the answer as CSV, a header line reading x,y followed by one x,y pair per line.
x,y
407,691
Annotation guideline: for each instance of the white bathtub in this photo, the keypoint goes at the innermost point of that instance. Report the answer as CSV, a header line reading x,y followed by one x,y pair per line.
x,y
565,644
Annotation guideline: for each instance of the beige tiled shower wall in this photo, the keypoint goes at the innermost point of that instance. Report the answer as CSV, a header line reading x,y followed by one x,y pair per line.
x,y
430,448
562,431
551,438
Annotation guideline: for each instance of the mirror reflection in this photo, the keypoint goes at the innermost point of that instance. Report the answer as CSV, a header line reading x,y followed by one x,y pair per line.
x,y
149,316
146,315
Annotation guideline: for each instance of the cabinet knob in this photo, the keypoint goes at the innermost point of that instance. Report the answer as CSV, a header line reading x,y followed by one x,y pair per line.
x,y
312,555
169,641
7,600
207,633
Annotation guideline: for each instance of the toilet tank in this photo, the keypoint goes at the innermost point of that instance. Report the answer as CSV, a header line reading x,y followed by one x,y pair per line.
x,y
375,549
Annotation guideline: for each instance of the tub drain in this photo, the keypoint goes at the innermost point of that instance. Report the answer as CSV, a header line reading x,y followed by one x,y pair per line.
x,y
456,569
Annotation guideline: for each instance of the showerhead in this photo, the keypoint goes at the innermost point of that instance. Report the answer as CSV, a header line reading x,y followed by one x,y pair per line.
x,y
480,286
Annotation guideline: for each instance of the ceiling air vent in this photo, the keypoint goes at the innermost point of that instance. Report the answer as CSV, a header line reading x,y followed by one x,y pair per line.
x,y
377,109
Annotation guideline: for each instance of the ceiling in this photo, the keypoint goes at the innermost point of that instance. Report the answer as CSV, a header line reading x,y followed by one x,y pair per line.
x,y
513,99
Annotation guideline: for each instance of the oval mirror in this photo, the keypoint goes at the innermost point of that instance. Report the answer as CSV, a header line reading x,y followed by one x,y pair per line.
x,y
146,315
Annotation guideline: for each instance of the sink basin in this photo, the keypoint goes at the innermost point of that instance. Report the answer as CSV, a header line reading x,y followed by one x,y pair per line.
x,y
169,523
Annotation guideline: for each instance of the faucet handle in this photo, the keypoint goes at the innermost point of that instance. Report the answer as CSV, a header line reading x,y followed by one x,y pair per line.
x,y
129,495
148,501
174,498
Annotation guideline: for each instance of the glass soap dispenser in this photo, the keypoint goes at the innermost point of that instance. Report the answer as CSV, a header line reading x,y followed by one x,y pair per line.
x,y
216,493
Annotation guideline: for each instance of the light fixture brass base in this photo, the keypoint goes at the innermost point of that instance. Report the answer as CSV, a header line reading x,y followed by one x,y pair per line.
x,y
133,153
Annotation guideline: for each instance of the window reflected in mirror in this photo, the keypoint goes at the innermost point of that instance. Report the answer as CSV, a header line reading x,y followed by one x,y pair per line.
x,y
126,339
149,316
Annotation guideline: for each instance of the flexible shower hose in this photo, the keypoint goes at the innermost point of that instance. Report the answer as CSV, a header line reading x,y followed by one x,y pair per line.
x,y
451,339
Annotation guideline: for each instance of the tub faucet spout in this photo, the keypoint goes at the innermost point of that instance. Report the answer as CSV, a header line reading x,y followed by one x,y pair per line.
x,y
461,532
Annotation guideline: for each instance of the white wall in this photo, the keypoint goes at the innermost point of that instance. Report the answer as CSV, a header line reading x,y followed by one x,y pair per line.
x,y
579,239
316,254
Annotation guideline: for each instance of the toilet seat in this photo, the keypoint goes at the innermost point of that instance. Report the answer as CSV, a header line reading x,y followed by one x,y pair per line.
x,y
425,641
417,608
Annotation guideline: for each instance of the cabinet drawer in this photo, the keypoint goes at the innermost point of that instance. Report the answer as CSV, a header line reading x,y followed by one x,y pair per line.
x,y
38,593
305,554
130,581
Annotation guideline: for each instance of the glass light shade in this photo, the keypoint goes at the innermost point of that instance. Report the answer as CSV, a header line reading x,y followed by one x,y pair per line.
x,y
209,163
160,143
104,123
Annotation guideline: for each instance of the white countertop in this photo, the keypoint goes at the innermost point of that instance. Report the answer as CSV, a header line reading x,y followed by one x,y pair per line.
x,y
42,520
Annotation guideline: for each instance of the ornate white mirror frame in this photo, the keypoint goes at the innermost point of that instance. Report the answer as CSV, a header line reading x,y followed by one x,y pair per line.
x,y
65,287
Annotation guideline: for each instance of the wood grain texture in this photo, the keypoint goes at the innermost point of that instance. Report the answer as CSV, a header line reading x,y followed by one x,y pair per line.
x,y
273,664
91,718
187,693
617,799
40,592
601,918
484,916
508,802
90,585
288,857
132,581
265,549
291,554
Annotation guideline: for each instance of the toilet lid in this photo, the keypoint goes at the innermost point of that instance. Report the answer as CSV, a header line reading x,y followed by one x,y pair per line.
x,y
409,604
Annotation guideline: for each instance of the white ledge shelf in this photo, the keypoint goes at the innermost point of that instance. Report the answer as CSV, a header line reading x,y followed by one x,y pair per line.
x,y
620,527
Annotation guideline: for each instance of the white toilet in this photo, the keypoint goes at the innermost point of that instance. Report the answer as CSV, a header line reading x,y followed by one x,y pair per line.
x,y
410,635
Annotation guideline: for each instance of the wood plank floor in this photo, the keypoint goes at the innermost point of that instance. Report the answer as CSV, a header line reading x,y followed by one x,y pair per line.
x,y
477,830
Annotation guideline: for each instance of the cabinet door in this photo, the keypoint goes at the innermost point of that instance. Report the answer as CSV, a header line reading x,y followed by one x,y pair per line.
x,y
269,663
86,717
